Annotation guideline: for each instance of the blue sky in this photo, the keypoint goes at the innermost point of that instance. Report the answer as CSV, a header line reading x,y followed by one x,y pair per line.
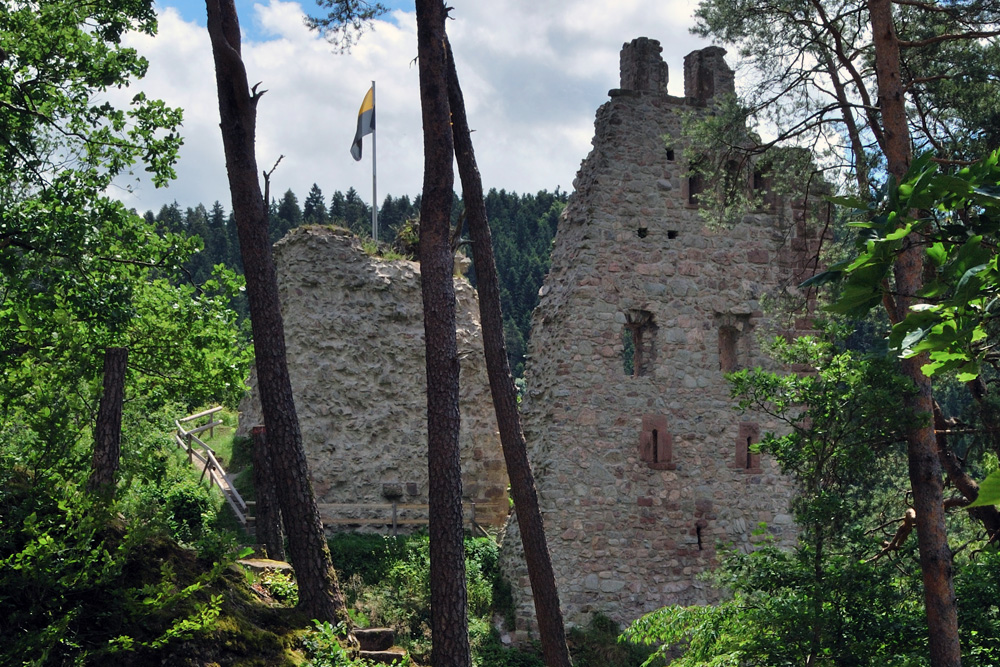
x,y
533,73
194,10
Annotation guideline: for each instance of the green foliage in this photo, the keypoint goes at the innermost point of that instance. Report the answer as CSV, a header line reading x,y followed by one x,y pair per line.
x,y
345,20
78,584
388,582
956,217
79,272
834,598
489,651
989,490
281,587
366,555
599,645
842,420
977,587
784,610
324,646
58,55
189,510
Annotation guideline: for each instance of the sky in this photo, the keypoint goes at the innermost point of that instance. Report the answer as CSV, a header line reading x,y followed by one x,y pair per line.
x,y
533,73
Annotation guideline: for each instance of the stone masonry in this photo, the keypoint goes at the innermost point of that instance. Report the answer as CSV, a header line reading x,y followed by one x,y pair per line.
x,y
355,338
641,460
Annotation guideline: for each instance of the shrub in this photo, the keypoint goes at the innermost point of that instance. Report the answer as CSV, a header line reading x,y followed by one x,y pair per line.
x,y
189,509
367,555
324,647
597,645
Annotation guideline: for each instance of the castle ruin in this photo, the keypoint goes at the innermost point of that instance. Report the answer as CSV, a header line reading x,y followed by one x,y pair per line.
x,y
642,464
354,333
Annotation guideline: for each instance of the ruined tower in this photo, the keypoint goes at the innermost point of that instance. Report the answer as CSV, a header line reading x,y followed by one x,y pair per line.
x,y
642,463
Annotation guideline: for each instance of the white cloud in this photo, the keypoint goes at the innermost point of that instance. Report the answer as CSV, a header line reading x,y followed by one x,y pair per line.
x,y
533,74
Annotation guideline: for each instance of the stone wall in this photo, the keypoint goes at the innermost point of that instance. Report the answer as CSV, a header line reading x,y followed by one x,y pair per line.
x,y
641,473
355,338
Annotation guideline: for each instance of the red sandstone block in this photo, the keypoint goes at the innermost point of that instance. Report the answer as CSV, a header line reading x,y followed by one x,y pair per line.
x,y
645,502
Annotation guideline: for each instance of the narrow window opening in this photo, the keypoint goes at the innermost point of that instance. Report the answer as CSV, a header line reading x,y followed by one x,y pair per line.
x,y
762,189
746,458
728,339
670,154
697,530
696,185
637,359
628,352
638,343
671,233
643,232
656,444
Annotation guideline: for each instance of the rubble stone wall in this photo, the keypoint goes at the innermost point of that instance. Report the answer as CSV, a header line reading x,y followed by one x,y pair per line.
x,y
355,338
641,472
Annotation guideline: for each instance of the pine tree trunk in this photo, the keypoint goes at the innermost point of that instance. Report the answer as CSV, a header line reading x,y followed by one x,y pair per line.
x,y
522,483
108,430
319,593
449,619
267,515
924,465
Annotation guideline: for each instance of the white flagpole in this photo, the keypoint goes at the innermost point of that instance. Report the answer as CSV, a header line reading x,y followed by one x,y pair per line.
x,y
374,180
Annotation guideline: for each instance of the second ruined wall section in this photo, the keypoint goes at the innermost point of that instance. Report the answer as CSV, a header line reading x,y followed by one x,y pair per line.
x,y
355,340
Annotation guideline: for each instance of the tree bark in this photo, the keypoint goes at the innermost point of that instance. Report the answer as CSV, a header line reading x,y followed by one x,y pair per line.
x,y
522,483
267,515
987,515
449,618
108,430
924,465
319,593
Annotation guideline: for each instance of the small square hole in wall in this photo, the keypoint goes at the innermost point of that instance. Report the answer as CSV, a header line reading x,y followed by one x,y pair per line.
x,y
643,232
671,233
670,154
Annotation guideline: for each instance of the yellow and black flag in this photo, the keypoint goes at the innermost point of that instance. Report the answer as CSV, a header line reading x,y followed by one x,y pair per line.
x,y
366,122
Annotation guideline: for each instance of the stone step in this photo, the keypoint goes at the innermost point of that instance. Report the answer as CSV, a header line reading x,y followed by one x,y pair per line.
x,y
391,656
375,639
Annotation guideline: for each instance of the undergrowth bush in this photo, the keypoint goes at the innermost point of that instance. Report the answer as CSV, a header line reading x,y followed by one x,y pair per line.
x,y
367,555
281,587
597,645
79,585
324,646
387,580
189,509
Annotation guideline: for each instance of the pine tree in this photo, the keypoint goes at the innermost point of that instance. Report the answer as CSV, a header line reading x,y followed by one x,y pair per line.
x,y
314,207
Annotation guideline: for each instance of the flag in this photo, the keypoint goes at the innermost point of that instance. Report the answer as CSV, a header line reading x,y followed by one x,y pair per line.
x,y
366,122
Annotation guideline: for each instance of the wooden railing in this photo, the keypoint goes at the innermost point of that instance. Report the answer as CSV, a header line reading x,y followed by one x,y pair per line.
x,y
197,450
